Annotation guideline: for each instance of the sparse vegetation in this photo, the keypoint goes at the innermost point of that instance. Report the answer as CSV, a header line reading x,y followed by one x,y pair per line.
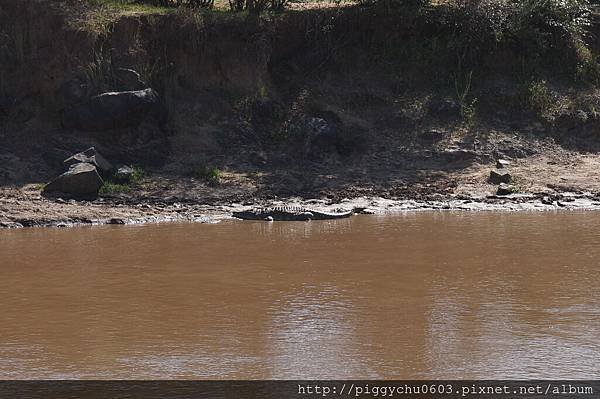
x,y
462,87
537,97
137,175
113,187
211,175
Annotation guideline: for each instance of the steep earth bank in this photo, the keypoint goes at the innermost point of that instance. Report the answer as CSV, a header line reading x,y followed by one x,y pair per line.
x,y
326,108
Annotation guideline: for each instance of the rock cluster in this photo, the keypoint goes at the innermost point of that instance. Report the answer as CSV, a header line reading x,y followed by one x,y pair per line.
x,y
502,178
83,178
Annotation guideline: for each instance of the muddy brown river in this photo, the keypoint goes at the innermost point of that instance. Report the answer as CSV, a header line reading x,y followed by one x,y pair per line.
x,y
415,296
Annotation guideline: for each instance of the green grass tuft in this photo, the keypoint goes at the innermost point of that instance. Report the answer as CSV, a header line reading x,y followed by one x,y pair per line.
x,y
110,188
212,175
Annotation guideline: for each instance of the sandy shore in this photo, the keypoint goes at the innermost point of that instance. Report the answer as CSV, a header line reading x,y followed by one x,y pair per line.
x,y
26,208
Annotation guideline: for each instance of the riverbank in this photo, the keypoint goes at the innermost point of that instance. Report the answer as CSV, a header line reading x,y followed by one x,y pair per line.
x,y
341,107
547,181
34,211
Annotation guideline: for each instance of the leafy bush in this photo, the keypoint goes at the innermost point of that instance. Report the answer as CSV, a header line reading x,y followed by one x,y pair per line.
x,y
551,31
543,21
541,34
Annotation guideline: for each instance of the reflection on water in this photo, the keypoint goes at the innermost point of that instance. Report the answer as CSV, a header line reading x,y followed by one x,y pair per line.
x,y
422,295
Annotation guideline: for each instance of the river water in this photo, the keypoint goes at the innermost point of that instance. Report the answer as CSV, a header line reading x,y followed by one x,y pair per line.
x,y
415,296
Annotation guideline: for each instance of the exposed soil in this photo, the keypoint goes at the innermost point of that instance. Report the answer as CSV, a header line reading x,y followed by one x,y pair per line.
x,y
550,180
286,115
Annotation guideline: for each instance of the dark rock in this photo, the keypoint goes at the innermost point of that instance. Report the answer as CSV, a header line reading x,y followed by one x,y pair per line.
x,y
116,221
444,108
506,189
502,164
364,211
123,175
91,156
547,201
432,135
81,181
115,111
497,177
129,79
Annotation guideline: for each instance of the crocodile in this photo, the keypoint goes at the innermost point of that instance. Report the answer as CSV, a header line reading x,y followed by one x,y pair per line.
x,y
289,213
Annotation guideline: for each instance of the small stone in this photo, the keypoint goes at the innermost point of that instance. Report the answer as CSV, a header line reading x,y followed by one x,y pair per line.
x,y
269,219
502,164
497,177
506,189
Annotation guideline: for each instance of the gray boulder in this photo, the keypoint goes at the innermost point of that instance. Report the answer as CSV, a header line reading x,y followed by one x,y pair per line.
x,y
91,156
115,110
81,181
